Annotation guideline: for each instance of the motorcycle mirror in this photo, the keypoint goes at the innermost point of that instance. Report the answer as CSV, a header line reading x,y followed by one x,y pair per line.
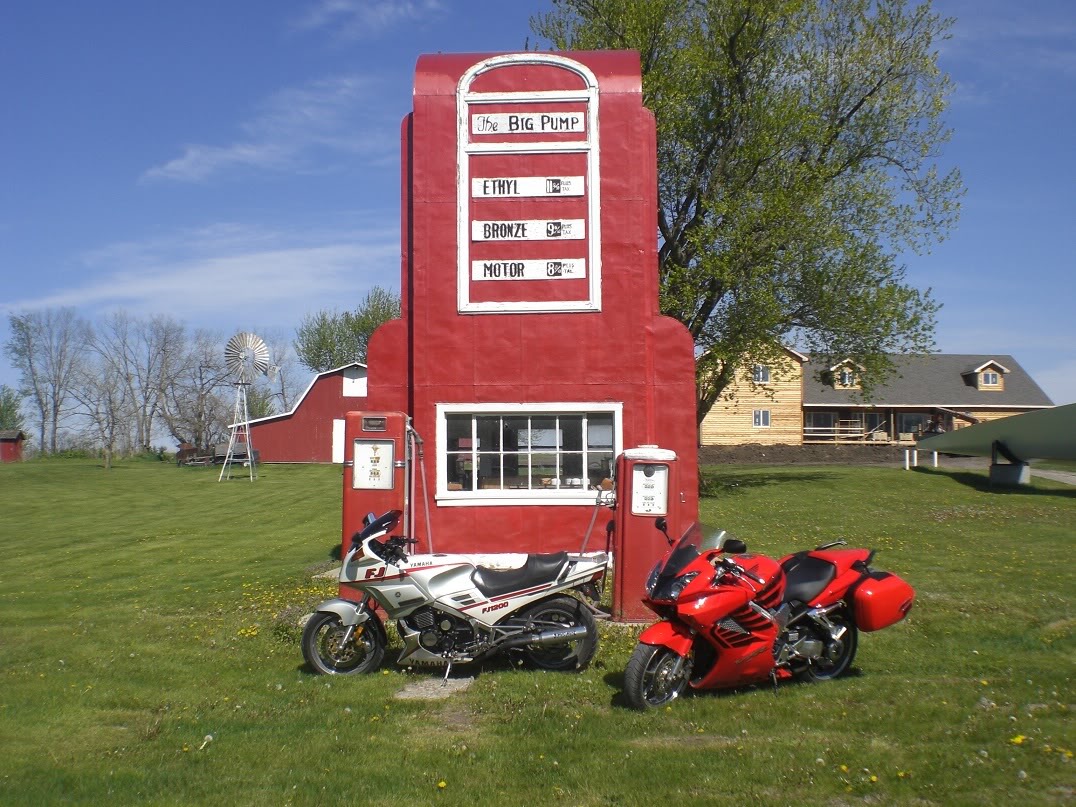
x,y
661,524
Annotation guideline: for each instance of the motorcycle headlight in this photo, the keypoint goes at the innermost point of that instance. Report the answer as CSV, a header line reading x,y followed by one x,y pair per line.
x,y
680,583
652,580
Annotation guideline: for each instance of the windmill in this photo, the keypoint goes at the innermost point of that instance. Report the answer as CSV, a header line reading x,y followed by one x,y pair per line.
x,y
247,357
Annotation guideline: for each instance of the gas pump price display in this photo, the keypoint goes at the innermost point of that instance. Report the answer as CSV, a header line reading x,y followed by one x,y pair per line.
x,y
650,490
528,196
373,466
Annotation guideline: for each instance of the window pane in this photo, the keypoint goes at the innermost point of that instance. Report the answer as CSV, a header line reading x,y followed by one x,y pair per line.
x,y
515,433
458,428
600,431
460,473
543,432
489,433
571,430
599,466
571,470
543,474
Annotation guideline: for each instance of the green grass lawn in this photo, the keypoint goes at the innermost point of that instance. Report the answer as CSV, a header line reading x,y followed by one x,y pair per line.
x,y
148,655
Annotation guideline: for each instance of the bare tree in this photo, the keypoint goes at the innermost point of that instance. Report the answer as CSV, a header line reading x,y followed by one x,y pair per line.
x,y
196,406
46,347
104,397
144,353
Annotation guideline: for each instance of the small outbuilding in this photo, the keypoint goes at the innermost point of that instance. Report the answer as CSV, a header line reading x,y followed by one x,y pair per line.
x,y
11,441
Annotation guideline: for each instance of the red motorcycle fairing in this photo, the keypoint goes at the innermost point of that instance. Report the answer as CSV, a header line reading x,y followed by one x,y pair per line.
x,y
673,635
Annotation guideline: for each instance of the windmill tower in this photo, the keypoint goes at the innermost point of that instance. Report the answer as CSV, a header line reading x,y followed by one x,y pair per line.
x,y
247,357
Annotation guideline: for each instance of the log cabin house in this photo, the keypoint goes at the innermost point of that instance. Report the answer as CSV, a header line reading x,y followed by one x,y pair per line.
x,y
798,401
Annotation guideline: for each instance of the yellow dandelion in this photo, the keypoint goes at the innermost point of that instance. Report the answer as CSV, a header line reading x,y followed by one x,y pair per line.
x,y
1018,739
442,784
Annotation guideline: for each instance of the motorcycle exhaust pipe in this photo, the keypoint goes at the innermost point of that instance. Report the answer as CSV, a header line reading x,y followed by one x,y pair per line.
x,y
555,636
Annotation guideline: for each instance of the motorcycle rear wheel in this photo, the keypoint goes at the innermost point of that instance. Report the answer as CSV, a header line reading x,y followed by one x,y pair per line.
x,y
652,679
836,660
324,652
574,654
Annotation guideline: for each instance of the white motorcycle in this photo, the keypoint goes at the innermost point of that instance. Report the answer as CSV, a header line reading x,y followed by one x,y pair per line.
x,y
455,608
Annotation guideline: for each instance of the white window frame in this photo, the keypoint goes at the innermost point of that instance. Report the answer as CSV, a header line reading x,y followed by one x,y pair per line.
x,y
759,416
762,374
846,378
487,498
991,378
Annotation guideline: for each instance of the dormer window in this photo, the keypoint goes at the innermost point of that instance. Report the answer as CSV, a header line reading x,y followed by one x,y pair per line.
x,y
846,378
762,374
989,376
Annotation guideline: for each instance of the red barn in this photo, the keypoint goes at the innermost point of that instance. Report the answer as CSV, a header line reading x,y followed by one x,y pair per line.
x,y
313,431
11,441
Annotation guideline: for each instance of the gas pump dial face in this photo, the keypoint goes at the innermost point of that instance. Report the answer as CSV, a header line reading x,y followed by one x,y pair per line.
x,y
650,489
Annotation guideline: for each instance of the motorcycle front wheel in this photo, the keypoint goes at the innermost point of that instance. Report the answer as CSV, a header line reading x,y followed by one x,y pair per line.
x,y
573,654
325,651
655,676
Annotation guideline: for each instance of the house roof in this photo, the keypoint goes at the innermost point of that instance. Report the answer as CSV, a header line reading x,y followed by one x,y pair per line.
x,y
937,379
12,434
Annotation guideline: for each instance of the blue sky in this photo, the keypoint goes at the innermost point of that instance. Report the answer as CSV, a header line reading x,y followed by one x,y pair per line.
x,y
236,165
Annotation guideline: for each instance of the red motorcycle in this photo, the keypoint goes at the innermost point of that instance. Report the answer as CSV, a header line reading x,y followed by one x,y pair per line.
x,y
731,618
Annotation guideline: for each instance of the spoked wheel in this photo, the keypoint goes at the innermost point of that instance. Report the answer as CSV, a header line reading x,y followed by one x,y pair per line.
x,y
837,656
655,676
327,653
572,654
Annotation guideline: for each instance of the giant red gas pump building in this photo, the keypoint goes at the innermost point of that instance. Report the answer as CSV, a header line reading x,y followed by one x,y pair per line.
x,y
531,356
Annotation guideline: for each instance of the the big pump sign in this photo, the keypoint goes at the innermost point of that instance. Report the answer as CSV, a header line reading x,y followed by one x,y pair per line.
x,y
528,191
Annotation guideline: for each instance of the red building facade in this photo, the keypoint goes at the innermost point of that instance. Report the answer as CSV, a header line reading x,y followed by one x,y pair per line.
x,y
531,351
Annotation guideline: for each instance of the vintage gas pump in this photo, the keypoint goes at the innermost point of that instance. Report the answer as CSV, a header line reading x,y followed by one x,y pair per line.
x,y
647,488
376,468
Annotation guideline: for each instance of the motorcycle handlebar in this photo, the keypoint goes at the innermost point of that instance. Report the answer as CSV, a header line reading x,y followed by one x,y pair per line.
x,y
737,569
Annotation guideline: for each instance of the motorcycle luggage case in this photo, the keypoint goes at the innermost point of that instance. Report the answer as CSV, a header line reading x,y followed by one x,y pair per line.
x,y
881,599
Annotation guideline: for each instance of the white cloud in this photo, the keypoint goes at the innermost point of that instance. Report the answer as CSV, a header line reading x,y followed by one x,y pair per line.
x,y
363,19
230,275
290,131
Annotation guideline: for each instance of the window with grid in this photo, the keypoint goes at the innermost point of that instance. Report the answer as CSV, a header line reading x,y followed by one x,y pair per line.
x,y
527,454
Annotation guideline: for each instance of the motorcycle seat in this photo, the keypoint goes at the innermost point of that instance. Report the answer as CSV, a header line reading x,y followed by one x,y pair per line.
x,y
806,577
537,570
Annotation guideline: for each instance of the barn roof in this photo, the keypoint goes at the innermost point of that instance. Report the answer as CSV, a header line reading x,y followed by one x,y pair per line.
x,y
299,400
12,434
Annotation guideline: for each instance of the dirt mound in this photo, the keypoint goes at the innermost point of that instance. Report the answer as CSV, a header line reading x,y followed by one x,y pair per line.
x,y
801,455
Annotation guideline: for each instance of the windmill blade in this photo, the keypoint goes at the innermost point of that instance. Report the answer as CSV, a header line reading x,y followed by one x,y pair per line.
x,y
246,356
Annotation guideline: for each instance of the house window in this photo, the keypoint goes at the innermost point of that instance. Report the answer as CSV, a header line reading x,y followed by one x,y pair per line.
x,y
819,424
762,418
762,374
990,379
912,422
847,378
520,454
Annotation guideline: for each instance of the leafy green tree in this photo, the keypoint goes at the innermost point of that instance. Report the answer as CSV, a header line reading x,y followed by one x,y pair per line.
x,y
329,339
797,142
11,418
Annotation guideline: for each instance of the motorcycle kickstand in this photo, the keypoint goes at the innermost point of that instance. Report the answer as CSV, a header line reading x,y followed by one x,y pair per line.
x,y
773,678
448,671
